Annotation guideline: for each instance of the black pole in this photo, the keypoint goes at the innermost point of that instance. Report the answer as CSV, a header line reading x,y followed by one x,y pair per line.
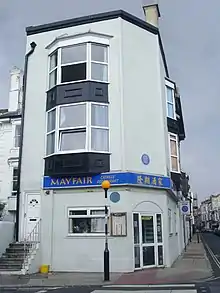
x,y
106,251
190,222
33,45
184,232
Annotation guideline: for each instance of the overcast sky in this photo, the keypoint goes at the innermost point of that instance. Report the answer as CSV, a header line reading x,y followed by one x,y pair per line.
x,y
191,37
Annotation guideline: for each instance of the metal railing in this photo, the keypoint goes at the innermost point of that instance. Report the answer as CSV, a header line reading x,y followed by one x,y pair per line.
x,y
31,242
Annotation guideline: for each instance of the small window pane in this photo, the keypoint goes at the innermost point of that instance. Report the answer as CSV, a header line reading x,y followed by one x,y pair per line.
x,y
99,115
97,212
53,60
17,136
170,110
159,228
50,143
99,53
51,120
73,72
78,213
73,140
53,78
173,148
73,116
99,72
169,94
100,140
73,54
174,164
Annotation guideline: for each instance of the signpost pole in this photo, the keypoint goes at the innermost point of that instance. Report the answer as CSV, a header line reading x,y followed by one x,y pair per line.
x,y
106,186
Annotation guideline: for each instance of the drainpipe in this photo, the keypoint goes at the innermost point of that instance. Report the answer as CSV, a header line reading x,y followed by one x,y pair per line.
x,y
33,46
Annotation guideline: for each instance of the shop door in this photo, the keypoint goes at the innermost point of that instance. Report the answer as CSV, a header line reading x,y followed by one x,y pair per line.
x,y
148,240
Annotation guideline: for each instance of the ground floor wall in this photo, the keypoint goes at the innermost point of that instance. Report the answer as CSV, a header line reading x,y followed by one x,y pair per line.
x,y
67,246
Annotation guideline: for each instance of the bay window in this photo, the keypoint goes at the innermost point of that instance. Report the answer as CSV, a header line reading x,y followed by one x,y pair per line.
x,y
80,127
85,61
170,100
174,153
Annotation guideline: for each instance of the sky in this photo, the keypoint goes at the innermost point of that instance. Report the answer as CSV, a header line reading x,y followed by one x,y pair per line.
x,y
191,35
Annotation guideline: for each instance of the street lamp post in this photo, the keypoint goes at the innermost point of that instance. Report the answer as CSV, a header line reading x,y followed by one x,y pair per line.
x,y
106,185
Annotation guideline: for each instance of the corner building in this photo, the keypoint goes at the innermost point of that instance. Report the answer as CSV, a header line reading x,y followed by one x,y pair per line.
x,y
99,104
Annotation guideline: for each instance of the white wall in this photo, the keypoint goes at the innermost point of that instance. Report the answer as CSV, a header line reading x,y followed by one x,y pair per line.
x,y
173,243
86,253
143,111
7,235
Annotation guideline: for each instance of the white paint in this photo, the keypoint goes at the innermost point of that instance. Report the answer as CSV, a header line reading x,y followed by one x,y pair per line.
x,y
8,153
7,234
32,214
138,124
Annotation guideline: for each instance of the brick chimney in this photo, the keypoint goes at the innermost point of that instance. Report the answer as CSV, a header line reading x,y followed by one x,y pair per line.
x,y
152,13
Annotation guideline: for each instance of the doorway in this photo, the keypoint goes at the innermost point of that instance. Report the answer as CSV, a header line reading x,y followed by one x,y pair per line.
x,y
148,240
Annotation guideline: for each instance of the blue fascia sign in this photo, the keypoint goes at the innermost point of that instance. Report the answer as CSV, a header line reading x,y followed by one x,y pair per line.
x,y
116,179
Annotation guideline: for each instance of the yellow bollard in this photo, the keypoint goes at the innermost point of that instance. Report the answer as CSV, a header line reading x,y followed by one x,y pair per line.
x,y
44,269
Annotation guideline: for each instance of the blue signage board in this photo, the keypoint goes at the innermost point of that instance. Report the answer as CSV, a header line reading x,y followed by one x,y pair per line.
x,y
116,179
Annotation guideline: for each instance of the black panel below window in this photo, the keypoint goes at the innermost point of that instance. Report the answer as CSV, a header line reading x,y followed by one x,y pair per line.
x,y
77,164
77,92
176,178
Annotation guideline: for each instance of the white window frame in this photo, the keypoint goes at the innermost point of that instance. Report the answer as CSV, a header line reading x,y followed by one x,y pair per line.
x,y
172,86
170,224
13,192
170,135
68,43
88,127
14,139
88,215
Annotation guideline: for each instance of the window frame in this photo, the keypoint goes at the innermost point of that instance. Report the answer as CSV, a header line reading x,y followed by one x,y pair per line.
x,y
178,153
88,126
14,192
88,61
16,136
170,224
88,215
169,84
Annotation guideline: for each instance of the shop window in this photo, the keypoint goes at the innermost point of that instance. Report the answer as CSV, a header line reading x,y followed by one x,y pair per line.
x,y
86,221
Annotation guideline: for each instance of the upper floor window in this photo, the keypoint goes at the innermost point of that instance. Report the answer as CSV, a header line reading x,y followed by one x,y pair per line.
x,y
170,100
14,181
174,153
78,127
17,135
86,61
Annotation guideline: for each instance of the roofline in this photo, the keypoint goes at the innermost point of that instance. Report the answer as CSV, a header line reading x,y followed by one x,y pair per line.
x,y
9,116
31,30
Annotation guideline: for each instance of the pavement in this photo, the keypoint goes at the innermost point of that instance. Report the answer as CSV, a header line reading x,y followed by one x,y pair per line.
x,y
187,274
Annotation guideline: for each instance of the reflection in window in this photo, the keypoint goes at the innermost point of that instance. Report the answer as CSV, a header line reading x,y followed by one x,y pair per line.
x,y
159,228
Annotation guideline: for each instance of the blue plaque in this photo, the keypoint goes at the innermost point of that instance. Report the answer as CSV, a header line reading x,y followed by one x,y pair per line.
x,y
115,197
145,159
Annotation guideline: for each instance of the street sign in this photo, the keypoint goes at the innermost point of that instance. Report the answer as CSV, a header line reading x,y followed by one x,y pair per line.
x,y
185,208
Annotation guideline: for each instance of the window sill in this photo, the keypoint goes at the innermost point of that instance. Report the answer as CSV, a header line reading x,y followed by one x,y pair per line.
x,y
77,152
173,118
91,235
176,172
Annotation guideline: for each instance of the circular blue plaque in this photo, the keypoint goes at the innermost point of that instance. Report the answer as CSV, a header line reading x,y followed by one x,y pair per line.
x,y
145,159
185,209
115,197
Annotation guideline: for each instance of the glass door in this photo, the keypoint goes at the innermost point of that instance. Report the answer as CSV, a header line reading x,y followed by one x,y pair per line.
x,y
148,240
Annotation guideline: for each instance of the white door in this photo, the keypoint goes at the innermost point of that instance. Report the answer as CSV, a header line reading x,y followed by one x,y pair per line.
x,y
148,240
32,213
